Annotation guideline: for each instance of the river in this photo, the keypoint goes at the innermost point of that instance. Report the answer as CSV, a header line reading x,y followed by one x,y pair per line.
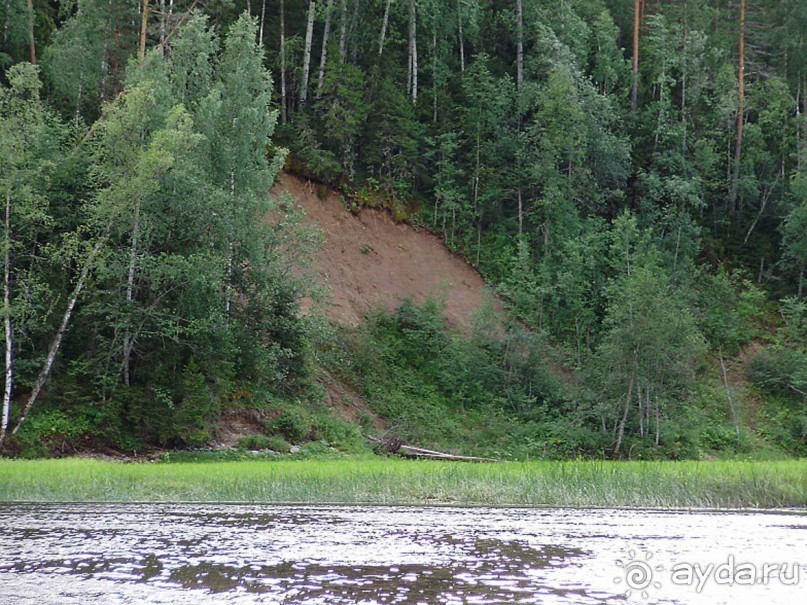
x,y
236,554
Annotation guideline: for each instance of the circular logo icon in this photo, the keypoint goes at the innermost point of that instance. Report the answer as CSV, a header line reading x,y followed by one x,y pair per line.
x,y
638,574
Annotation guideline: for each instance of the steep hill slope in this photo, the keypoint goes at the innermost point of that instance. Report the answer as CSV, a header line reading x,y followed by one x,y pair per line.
x,y
369,261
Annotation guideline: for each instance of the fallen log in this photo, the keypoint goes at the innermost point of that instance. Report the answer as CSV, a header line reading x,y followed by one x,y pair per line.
x,y
395,446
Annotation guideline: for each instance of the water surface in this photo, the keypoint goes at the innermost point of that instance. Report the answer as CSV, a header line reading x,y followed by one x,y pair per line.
x,y
234,554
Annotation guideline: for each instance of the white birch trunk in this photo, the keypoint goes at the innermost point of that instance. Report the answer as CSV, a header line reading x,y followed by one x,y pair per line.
x,y
413,45
384,24
283,101
57,339
343,32
409,60
128,341
621,431
263,18
309,37
323,58
9,337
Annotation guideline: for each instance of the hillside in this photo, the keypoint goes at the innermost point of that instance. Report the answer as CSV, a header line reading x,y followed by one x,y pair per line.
x,y
632,182
369,261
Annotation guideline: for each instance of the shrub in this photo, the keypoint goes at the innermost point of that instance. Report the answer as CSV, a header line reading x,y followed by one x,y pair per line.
x,y
780,372
339,433
49,432
264,442
292,425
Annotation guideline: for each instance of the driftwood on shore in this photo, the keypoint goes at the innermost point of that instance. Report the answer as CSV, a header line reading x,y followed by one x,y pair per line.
x,y
396,446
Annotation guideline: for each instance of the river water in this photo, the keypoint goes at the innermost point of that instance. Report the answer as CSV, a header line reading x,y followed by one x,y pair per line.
x,y
234,554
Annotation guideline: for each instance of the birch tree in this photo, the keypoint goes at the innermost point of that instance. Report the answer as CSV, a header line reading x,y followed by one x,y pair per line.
x,y
650,342
412,72
283,98
324,53
309,38
343,31
24,142
384,23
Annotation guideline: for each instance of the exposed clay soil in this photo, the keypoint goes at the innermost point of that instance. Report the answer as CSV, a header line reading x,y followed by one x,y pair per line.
x,y
237,423
369,261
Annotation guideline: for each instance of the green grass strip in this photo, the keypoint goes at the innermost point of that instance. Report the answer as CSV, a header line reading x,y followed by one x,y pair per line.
x,y
718,484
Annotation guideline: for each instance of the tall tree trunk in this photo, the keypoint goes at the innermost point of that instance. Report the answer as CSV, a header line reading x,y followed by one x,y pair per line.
x,y
44,373
323,57
658,422
799,144
435,86
634,82
9,336
520,212
128,341
519,85
519,44
413,48
684,77
228,294
343,32
144,20
409,57
263,18
31,39
461,39
309,37
5,22
477,173
732,409
738,147
384,24
621,430
283,99
354,21
163,25
641,411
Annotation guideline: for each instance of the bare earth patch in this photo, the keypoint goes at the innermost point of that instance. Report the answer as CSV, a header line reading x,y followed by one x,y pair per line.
x,y
369,261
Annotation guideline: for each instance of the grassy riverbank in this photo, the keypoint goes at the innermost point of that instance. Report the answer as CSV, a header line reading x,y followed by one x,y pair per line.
x,y
727,484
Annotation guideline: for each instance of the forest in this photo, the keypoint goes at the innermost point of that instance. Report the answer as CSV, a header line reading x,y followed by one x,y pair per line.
x,y
629,176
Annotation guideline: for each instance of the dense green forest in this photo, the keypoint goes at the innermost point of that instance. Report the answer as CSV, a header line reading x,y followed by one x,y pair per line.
x,y
630,176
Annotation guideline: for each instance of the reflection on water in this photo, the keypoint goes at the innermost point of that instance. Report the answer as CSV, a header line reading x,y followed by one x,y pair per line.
x,y
65,554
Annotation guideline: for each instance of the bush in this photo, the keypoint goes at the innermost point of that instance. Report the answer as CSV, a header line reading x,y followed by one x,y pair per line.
x,y
780,372
50,432
339,433
291,425
264,442
785,425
